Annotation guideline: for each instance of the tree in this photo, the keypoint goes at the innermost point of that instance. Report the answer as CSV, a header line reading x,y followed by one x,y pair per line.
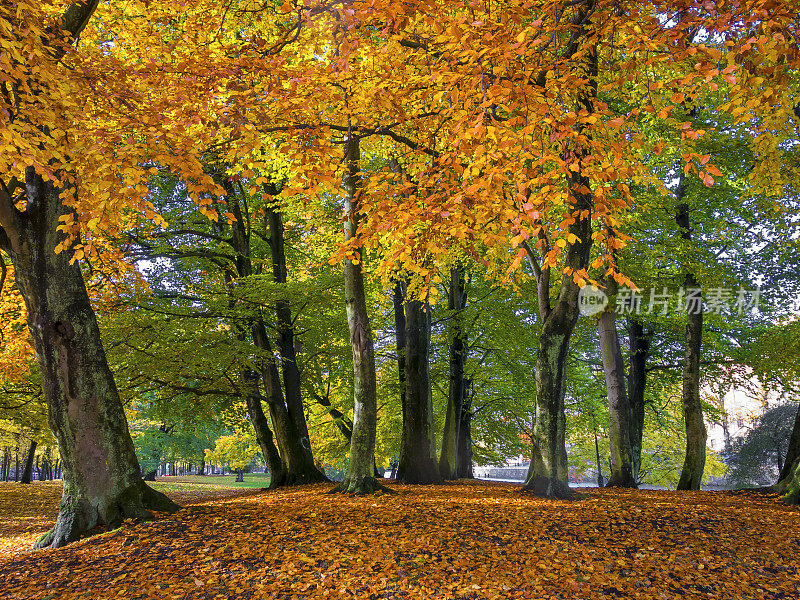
x,y
757,458
102,480
359,478
418,455
456,391
236,450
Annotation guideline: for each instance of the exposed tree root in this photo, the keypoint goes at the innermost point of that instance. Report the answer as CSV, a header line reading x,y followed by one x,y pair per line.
x,y
790,486
77,516
548,488
621,482
361,487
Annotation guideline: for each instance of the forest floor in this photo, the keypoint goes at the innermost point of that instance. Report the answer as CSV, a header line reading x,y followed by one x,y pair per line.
x,y
470,540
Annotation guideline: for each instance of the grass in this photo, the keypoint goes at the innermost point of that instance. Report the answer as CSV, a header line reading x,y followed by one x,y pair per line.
x,y
251,480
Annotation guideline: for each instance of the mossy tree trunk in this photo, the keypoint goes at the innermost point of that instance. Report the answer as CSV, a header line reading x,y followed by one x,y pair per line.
x,y
288,418
289,367
398,301
548,472
793,452
464,456
102,479
456,303
255,411
298,462
619,413
359,477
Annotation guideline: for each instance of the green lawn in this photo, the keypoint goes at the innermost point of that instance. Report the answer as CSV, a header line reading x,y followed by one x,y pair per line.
x,y
180,483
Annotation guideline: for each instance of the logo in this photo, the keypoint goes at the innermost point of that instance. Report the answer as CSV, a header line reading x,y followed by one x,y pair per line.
x,y
591,300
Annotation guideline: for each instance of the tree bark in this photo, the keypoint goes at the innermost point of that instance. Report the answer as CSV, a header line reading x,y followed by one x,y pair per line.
x,y
298,462
102,479
464,457
695,460
548,472
457,302
288,419
793,452
790,486
419,457
359,477
637,380
398,301
255,410
16,458
619,416
27,473
289,368
343,424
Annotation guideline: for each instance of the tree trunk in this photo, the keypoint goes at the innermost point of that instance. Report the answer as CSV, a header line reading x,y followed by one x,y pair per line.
x,y
201,468
695,460
289,368
239,476
637,379
790,486
600,482
619,416
298,462
456,303
419,458
793,452
27,474
288,419
464,456
359,477
398,301
343,424
277,472
548,473
150,475
16,458
102,480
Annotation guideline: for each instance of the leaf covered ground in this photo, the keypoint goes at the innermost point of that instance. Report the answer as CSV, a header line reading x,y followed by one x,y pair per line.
x,y
467,541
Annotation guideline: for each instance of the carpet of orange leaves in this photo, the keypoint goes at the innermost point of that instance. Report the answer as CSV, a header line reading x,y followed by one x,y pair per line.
x,y
462,541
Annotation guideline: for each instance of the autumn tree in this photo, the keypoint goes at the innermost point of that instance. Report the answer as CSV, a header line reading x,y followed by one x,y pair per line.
x,y
102,481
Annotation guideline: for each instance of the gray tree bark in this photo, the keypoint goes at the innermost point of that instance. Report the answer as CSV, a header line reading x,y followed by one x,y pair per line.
x,y
793,452
27,473
619,413
637,379
102,479
359,477
418,460
548,473
695,460
464,462
456,302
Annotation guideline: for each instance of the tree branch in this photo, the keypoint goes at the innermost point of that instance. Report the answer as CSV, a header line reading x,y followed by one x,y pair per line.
x,y
9,218
77,16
